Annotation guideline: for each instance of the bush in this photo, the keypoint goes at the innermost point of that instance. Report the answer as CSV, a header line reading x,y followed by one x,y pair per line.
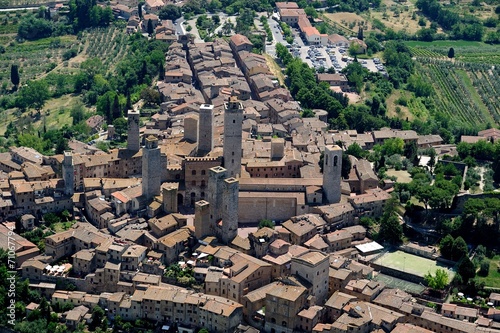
x,y
484,267
71,53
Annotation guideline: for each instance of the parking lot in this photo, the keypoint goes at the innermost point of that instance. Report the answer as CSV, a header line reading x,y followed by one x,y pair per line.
x,y
318,56
330,56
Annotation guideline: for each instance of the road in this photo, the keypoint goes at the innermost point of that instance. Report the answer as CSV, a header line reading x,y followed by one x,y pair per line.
x,y
277,37
179,28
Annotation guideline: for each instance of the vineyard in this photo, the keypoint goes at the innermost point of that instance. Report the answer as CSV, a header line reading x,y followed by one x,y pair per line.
x,y
34,58
467,92
109,45
467,52
23,3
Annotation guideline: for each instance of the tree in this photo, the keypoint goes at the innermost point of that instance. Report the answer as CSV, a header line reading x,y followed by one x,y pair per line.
x,y
446,246
14,75
346,165
355,150
360,33
33,95
438,281
266,224
77,113
391,230
98,317
170,12
116,109
150,96
150,27
466,269
451,53
459,249
120,125
139,9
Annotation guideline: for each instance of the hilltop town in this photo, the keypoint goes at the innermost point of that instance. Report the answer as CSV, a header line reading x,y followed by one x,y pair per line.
x,y
230,210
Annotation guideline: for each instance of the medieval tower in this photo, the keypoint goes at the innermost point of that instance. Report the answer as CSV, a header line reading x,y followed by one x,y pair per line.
x,y
229,210
206,129
133,143
216,176
68,173
223,198
332,170
202,219
233,119
151,175
169,197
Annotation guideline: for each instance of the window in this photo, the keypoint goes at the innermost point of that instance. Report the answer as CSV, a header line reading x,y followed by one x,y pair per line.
x,y
335,160
234,121
193,172
193,183
203,172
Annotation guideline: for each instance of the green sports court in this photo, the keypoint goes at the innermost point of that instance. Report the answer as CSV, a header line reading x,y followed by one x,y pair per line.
x,y
412,264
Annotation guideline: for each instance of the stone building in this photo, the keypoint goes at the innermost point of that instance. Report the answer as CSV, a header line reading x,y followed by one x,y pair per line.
x,y
196,177
313,266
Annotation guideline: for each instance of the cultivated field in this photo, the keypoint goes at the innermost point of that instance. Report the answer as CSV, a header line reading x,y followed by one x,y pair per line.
x,y
34,58
412,264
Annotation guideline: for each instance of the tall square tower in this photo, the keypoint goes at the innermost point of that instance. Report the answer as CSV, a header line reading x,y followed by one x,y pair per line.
x,y
206,129
151,162
133,142
233,120
68,173
332,171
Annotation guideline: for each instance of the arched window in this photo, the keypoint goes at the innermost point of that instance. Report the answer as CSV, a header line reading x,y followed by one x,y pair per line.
x,y
202,183
202,194
273,320
283,323
335,160
203,172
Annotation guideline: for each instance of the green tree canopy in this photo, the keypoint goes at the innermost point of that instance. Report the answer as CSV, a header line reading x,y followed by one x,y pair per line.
x,y
438,281
33,95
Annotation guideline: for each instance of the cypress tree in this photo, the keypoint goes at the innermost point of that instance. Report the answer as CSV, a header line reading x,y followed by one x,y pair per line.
x,y
14,75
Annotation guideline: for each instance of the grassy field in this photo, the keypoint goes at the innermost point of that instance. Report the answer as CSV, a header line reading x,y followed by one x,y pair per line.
x,y
493,278
275,68
413,264
402,175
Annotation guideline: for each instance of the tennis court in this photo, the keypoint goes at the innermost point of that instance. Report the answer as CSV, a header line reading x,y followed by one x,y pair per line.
x,y
410,263
393,282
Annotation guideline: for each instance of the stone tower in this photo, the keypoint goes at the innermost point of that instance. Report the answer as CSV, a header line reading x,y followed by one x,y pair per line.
x,y
202,219
216,176
151,162
191,127
206,129
133,143
277,149
169,196
230,210
332,170
68,173
233,119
